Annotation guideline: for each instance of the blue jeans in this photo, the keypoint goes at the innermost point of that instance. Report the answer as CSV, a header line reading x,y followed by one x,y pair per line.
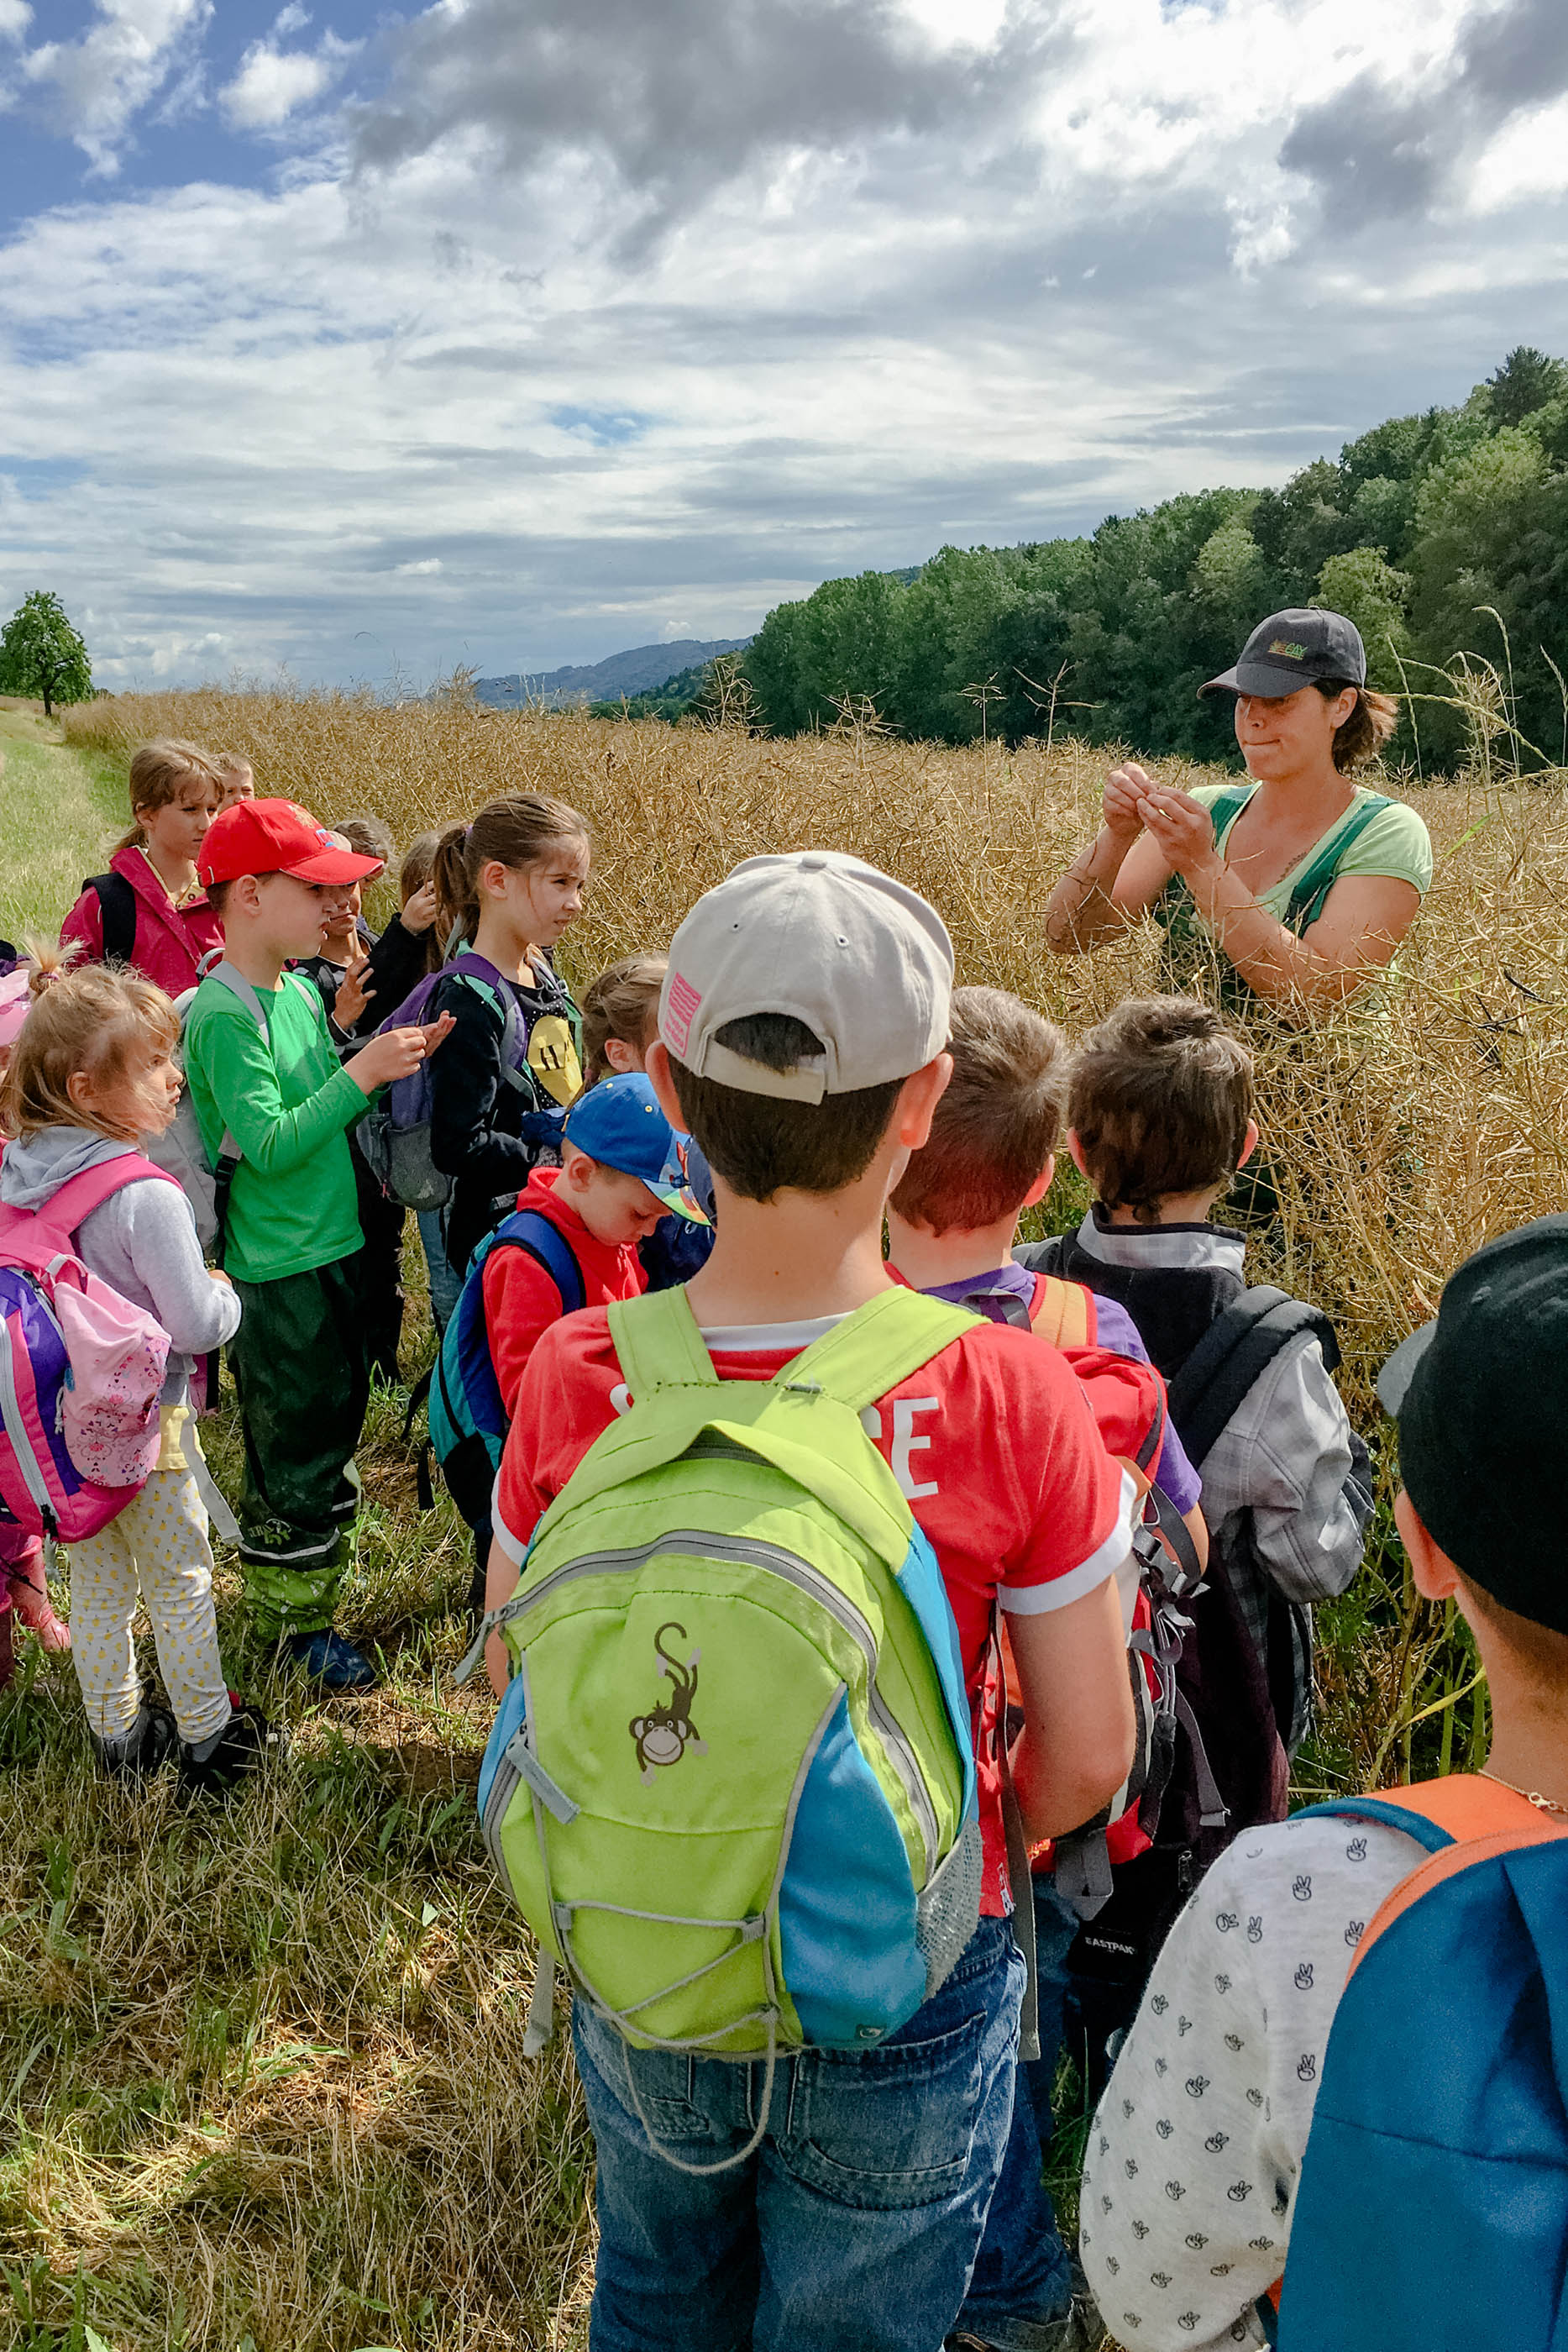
x,y
445,1284
857,2219
1022,2282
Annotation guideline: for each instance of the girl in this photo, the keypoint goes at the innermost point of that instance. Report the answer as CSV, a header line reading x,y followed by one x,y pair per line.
x,y
149,911
509,884
620,1021
91,1071
24,1591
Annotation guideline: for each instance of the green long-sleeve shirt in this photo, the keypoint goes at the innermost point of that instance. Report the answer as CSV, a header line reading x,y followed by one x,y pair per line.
x,y
286,1100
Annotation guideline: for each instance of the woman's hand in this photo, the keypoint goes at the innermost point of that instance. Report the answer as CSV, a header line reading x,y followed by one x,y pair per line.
x,y
1181,826
1125,788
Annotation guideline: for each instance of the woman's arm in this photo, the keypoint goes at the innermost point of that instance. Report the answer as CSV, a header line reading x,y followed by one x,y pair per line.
x,y
1117,878
1364,916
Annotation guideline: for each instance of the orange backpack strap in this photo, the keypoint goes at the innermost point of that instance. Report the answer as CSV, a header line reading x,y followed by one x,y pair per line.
x,y
1064,1312
1483,1818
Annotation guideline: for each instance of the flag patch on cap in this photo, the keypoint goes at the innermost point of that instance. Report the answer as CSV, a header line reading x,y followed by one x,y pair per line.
x,y
1292,652
681,1006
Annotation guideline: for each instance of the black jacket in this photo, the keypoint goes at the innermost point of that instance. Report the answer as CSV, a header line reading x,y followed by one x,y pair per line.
x,y
476,1119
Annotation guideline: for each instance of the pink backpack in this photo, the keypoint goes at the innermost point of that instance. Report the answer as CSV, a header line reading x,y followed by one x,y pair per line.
x,y
80,1368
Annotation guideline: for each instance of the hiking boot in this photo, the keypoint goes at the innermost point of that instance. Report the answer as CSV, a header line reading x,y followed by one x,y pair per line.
x,y
242,1746
30,1600
137,1754
332,1660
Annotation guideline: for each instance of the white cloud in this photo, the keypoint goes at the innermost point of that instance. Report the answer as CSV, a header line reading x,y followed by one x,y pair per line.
x,y
15,16
273,84
93,88
250,425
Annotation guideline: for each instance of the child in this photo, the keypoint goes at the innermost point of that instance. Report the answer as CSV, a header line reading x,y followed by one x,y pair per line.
x,y
609,1194
361,978
509,883
416,893
237,780
952,1220
807,1003
91,1072
620,1021
1242,2005
23,1589
292,1236
148,910
1160,1111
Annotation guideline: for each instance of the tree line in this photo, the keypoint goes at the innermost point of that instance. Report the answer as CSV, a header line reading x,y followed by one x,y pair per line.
x,y
1443,536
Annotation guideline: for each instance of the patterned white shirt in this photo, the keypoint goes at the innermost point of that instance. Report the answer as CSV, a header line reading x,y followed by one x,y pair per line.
x,y
1195,2154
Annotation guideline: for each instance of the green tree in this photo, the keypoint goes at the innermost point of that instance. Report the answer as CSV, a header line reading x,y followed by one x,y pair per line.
x,y
1526,381
41,654
1363,586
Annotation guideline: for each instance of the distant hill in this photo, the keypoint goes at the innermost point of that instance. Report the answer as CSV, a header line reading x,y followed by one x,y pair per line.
x,y
637,671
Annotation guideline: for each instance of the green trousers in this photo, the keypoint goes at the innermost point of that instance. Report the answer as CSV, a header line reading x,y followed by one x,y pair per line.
x,y
298,1363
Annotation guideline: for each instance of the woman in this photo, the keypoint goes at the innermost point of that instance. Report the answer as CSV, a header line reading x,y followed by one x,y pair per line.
x,y
1300,884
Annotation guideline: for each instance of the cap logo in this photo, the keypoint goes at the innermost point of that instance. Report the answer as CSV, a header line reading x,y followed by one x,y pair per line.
x,y
1291,652
681,1007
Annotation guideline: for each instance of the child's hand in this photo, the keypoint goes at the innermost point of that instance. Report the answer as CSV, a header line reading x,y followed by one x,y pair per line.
x,y
353,994
1124,787
420,912
395,1055
434,1031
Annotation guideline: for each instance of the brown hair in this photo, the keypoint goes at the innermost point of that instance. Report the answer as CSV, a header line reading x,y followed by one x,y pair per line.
x,y
623,1003
1159,1096
232,763
1362,735
418,865
517,831
157,771
761,1145
89,1020
370,836
996,1126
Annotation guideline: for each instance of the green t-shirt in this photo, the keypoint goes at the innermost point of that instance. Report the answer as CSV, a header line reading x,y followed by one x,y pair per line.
x,y
1395,843
286,1100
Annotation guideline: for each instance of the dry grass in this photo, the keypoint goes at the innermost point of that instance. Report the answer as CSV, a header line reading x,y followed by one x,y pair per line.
x,y
262,2076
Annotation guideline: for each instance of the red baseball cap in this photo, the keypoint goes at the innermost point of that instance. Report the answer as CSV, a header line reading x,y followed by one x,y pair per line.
x,y
276,837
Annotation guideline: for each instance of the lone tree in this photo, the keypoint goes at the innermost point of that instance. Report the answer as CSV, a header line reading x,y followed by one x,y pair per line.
x,y
41,654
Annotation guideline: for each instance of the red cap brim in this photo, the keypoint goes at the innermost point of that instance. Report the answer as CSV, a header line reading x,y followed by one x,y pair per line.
x,y
334,866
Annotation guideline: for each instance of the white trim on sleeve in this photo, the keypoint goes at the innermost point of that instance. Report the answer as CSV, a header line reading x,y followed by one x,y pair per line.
x,y
1057,1591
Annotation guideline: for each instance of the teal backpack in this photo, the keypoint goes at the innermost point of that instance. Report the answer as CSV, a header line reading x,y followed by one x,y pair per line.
x,y
731,1786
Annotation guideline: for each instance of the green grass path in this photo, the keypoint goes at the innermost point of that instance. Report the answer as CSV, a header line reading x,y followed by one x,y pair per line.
x,y
61,811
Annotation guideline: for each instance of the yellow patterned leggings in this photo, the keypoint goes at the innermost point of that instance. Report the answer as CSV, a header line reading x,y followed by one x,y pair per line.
x,y
157,1548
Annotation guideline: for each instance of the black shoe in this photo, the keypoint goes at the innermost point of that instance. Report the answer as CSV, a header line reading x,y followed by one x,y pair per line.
x,y
247,1741
136,1754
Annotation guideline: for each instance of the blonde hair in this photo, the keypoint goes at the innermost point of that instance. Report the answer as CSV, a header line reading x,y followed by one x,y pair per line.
x,y
517,832
231,763
157,771
623,1003
91,1020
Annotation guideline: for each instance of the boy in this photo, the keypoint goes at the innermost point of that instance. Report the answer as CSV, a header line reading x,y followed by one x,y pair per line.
x,y
237,780
952,1220
1160,1119
802,1024
608,1194
291,1234
1215,2087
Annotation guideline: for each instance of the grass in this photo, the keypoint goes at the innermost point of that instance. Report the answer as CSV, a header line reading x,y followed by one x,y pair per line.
x,y
67,805
261,2084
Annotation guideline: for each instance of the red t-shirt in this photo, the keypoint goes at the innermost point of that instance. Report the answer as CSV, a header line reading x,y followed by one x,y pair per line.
x,y
521,1300
993,1442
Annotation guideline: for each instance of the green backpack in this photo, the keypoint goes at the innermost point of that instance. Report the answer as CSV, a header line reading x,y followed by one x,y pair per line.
x,y
731,1785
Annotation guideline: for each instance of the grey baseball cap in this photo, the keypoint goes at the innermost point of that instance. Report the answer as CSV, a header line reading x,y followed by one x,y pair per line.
x,y
1291,649
857,957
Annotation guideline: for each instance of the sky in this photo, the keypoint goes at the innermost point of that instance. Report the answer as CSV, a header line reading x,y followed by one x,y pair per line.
x,y
511,333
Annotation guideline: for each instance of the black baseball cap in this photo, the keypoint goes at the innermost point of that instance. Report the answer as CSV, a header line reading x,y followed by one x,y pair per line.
x,y
1291,649
1481,1399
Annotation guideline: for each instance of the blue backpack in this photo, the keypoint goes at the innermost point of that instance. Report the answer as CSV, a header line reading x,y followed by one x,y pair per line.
x,y
1432,2214
467,1419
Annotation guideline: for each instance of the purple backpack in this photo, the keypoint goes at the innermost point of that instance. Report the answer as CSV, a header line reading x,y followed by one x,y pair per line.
x,y
82,1370
394,1134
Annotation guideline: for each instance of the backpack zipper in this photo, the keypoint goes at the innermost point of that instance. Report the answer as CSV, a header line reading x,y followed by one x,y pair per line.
x,y
806,1579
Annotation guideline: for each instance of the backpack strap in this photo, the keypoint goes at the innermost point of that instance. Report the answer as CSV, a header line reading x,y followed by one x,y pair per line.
x,y
503,1005
1233,1355
656,1338
535,1236
1308,898
116,914
80,1195
1064,1312
881,1343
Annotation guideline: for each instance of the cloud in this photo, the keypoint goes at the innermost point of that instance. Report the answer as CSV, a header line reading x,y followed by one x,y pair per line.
x,y
273,84
15,16
426,566
1392,144
92,89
